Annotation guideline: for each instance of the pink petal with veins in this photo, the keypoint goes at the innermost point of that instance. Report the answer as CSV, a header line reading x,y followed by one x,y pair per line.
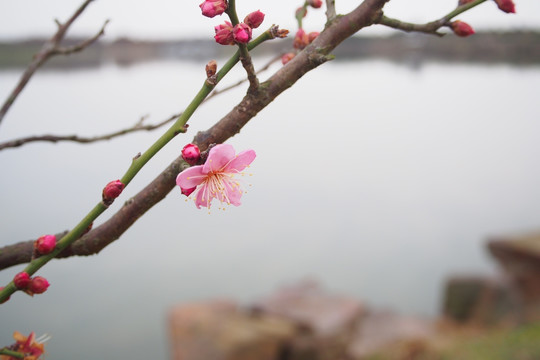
x,y
190,177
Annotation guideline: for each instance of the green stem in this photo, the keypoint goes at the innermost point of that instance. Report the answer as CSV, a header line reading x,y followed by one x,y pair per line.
x,y
300,14
11,353
462,9
136,165
231,11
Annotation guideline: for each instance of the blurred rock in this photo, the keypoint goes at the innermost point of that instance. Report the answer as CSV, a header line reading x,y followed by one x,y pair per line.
x,y
479,300
380,329
520,258
327,322
219,330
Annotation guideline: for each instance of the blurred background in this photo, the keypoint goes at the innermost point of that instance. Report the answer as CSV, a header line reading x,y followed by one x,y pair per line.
x,y
378,174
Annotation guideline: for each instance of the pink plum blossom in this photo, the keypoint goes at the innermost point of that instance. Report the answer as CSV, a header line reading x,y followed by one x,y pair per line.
x,y
216,178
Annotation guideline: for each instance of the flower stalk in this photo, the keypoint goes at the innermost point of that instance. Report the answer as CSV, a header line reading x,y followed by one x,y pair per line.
x,y
12,353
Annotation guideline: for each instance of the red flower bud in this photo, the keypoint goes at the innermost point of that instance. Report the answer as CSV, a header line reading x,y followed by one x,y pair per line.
x,y
301,39
461,28
191,154
224,34
254,19
301,12
211,8
187,192
287,57
463,2
38,285
45,244
312,36
315,3
2,288
242,33
21,280
506,5
111,191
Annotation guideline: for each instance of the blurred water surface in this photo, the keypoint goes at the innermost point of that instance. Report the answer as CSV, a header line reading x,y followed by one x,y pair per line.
x,y
378,179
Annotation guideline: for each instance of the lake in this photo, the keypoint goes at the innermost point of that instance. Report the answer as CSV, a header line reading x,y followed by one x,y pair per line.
x,y
378,179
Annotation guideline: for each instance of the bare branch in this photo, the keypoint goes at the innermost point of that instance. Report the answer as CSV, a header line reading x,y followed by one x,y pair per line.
x,y
49,49
135,128
311,57
431,27
330,10
82,45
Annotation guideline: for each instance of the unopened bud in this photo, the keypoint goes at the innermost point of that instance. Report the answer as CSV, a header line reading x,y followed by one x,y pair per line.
x,y
312,36
254,19
224,34
315,3
287,57
211,68
507,6
461,28
38,285
187,192
211,8
45,244
300,13
191,154
111,191
278,33
21,280
301,39
242,33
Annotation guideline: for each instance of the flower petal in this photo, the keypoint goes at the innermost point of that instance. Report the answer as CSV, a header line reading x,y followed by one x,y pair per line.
x,y
204,197
234,193
218,157
241,161
191,177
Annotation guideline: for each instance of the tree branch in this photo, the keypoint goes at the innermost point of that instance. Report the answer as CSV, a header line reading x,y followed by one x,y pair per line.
x,y
431,27
49,49
311,57
330,10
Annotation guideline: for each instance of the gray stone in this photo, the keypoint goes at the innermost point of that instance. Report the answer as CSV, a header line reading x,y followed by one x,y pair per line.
x,y
519,256
219,330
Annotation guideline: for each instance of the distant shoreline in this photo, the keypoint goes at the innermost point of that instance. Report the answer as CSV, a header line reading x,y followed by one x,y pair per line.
x,y
513,48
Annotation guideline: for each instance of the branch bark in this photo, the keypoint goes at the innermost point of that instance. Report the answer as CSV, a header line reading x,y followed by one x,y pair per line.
x,y
315,54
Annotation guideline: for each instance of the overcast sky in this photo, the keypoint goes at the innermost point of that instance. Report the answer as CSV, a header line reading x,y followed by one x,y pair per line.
x,y
181,18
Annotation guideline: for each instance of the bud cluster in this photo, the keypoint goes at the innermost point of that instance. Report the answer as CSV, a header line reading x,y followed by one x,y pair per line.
x,y
301,40
227,34
30,285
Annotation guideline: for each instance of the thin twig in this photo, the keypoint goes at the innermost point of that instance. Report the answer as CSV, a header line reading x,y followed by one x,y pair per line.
x,y
50,48
430,27
135,128
330,10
